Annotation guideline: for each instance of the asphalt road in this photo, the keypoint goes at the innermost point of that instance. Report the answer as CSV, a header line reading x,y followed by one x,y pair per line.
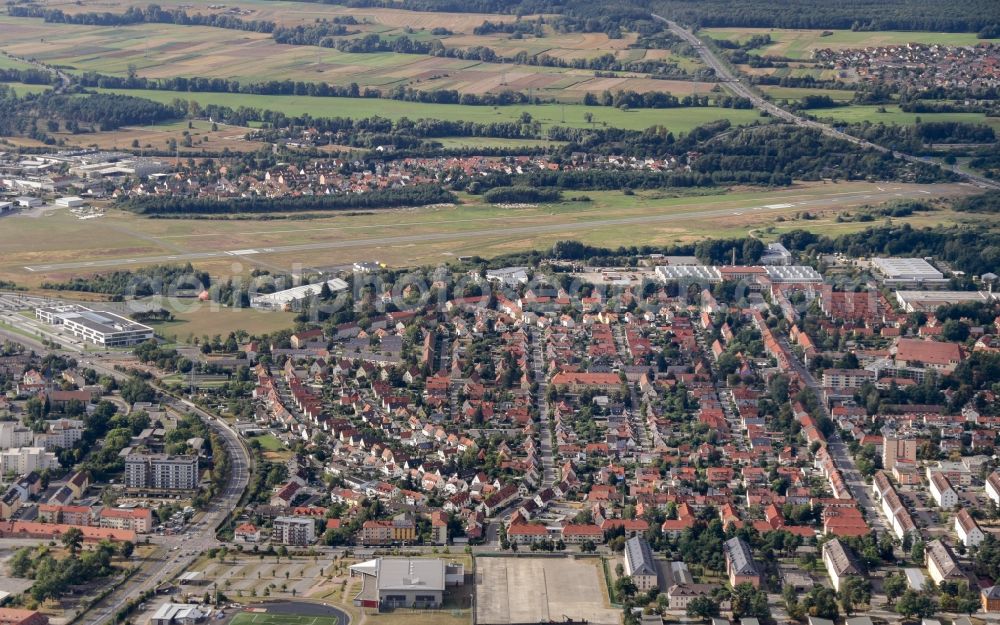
x,y
735,85
180,550
834,199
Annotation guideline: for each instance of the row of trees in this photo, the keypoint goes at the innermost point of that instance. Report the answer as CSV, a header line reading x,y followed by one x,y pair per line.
x,y
152,14
420,195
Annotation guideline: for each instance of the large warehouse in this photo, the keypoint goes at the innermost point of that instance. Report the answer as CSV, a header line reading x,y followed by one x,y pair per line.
x,y
96,326
289,298
900,271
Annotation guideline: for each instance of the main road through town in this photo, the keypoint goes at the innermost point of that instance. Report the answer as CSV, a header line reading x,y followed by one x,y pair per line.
x,y
179,551
889,192
735,84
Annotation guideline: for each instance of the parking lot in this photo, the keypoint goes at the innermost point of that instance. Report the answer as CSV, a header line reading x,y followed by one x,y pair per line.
x,y
525,590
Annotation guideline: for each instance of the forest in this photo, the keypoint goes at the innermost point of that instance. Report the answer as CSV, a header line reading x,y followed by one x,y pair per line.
x,y
22,116
869,15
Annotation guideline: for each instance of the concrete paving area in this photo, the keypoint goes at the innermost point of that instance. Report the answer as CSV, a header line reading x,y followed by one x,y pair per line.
x,y
524,590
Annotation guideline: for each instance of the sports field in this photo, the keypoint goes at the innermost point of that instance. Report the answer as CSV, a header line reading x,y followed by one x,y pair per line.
x,y
259,618
800,44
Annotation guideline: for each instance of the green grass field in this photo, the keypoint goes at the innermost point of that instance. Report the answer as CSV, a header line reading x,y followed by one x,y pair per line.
x,y
257,618
800,44
269,442
678,119
21,88
797,93
892,115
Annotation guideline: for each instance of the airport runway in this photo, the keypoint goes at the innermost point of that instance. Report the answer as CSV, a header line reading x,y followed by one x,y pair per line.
x,y
891,192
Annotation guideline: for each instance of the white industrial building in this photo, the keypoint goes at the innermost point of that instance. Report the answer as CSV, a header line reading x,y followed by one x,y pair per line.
x,y
689,273
778,274
925,301
776,254
793,273
179,614
70,201
900,271
26,201
289,298
100,327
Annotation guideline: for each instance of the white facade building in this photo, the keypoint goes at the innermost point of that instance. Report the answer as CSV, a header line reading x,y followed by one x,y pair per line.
x,y
99,327
944,495
21,460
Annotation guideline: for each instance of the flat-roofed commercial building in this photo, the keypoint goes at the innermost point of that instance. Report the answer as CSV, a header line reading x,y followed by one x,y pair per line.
x,y
925,301
99,327
901,271
290,298
405,583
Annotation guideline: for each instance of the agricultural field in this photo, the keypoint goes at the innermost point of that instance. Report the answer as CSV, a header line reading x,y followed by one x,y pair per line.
x,y
296,13
416,236
800,44
158,138
164,51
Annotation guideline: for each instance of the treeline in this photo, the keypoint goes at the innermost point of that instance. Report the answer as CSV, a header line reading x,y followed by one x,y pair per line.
x,y
974,250
30,76
300,88
317,34
628,99
988,202
420,195
136,283
34,115
152,14
916,138
521,195
869,15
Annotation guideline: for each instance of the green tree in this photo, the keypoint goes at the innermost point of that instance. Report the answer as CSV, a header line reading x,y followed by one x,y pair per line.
x,y
916,604
703,607
73,540
749,601
894,586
